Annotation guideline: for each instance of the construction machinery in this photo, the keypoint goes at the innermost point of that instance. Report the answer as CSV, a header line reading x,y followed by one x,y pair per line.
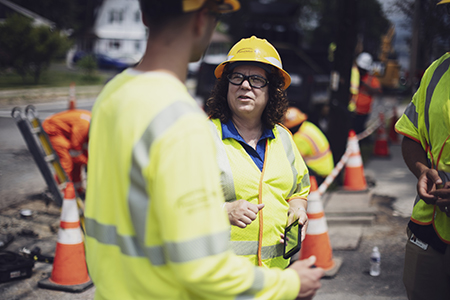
x,y
388,69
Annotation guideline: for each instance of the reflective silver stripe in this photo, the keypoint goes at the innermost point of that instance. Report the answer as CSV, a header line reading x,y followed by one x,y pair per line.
x,y
437,75
75,153
198,248
226,176
257,286
177,252
128,245
138,198
251,248
411,114
305,182
284,135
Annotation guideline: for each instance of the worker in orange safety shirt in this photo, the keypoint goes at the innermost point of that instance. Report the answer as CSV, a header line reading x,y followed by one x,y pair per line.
x,y
368,88
68,132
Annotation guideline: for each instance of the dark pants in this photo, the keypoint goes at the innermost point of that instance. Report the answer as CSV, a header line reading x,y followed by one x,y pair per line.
x,y
426,273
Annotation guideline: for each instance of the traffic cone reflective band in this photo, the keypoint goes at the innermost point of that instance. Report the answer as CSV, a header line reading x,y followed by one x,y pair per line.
x,y
354,179
72,99
317,241
393,135
69,266
381,143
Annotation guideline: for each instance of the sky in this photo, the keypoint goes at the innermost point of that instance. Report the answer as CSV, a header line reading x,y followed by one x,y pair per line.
x,y
402,34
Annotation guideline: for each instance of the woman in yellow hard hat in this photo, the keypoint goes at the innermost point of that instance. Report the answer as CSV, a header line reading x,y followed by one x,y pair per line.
x,y
264,178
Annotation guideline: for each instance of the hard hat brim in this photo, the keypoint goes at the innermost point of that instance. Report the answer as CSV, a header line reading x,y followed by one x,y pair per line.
x,y
226,6
443,2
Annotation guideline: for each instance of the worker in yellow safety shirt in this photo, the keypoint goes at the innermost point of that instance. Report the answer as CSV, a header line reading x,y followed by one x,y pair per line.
x,y
155,226
425,125
311,142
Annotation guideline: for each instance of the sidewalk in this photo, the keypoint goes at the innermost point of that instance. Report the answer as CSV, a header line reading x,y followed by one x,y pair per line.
x,y
20,97
377,218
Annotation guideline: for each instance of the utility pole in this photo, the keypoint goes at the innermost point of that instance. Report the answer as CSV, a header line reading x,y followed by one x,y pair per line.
x,y
340,118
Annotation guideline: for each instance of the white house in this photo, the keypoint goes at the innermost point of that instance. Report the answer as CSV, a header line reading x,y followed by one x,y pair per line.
x,y
119,31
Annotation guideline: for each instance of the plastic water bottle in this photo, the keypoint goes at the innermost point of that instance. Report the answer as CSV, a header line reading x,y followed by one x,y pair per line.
x,y
375,261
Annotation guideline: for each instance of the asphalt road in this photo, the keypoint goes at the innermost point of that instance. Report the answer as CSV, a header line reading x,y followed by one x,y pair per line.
x,y
19,176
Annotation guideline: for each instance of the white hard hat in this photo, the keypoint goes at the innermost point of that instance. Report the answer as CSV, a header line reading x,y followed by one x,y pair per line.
x,y
364,61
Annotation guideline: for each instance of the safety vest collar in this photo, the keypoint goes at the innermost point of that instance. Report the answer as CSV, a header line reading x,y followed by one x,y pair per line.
x,y
230,131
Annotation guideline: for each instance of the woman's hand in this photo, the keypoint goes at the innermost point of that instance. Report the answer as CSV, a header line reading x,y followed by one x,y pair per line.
x,y
242,213
297,210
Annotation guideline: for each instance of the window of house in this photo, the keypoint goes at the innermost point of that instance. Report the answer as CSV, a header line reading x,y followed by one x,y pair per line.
x,y
114,44
137,16
115,16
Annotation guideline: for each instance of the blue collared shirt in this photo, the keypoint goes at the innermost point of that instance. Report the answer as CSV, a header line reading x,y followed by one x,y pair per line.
x,y
230,132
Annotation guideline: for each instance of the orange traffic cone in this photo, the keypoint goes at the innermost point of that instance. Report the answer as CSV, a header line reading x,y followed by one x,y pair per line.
x,y
381,148
69,266
354,179
317,241
393,135
72,99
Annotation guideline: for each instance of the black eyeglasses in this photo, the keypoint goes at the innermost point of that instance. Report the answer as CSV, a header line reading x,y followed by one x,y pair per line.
x,y
255,81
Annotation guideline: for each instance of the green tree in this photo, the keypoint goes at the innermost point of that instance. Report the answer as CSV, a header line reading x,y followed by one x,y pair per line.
x,y
371,25
29,49
78,15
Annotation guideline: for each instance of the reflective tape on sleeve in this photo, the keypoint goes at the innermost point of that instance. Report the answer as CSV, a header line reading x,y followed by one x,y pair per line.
x,y
411,114
257,286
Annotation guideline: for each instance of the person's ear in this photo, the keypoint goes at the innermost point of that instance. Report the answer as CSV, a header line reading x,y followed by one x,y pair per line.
x,y
201,21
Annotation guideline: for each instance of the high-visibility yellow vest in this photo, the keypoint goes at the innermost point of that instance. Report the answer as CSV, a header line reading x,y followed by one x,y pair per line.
x,y
284,177
354,80
155,228
314,148
426,120
354,87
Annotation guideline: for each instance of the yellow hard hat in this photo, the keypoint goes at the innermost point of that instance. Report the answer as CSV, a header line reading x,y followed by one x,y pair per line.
x,y
294,117
220,6
257,50
443,2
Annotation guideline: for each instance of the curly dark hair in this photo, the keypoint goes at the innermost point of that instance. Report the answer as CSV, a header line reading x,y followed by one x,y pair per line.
x,y
277,105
